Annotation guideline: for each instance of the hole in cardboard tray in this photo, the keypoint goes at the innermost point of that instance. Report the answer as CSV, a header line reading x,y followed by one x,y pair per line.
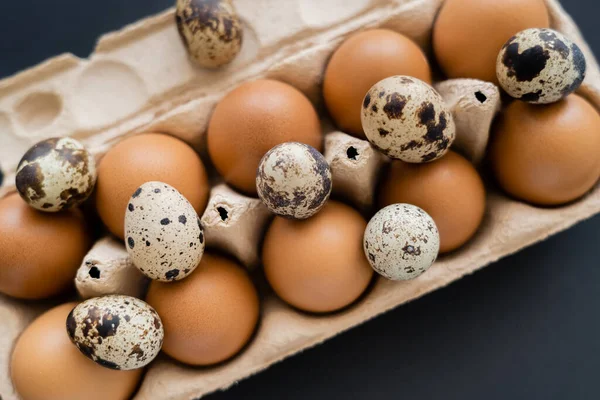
x,y
38,110
94,272
223,213
1,176
352,153
481,97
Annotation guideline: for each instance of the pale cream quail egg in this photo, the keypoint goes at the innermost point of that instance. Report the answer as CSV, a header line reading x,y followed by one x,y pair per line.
x,y
401,242
56,174
293,180
118,332
540,66
163,234
211,31
406,119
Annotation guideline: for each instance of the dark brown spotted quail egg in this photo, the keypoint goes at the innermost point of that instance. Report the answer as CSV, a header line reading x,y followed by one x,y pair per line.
x,y
401,242
293,180
540,66
406,119
56,174
210,29
163,234
118,332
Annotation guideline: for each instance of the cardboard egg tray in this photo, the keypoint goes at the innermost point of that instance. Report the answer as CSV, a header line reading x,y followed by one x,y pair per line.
x,y
139,79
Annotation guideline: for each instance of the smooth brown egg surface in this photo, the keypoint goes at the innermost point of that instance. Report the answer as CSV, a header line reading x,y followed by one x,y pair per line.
x,y
318,264
39,252
144,158
468,34
547,154
47,366
449,190
209,316
252,119
360,62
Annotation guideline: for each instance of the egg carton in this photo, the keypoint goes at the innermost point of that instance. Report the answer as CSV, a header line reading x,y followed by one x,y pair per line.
x,y
140,79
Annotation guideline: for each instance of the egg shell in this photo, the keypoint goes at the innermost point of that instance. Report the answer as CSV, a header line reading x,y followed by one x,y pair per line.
x,y
56,174
406,119
294,180
468,34
364,59
211,31
117,332
163,234
251,120
46,366
540,66
401,242
547,154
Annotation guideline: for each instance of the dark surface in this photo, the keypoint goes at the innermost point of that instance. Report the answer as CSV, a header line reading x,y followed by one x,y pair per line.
x,y
524,328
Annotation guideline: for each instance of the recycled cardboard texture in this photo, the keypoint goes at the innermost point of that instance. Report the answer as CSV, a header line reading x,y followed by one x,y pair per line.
x,y
139,79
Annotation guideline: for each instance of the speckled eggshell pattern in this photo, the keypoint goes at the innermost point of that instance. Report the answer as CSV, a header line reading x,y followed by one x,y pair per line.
x,y
211,31
401,242
56,174
163,234
406,119
293,180
117,332
540,66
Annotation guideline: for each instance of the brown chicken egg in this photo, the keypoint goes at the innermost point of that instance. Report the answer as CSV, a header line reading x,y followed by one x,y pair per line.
x,y
209,316
449,190
468,34
39,252
45,365
318,264
144,158
251,120
547,154
360,62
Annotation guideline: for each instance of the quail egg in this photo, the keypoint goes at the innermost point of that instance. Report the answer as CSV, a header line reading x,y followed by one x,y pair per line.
x,y
293,180
406,119
117,332
56,174
401,242
163,234
211,31
540,66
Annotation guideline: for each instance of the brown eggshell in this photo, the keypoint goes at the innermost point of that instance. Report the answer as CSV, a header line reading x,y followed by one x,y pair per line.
x,y
449,190
318,264
547,154
251,120
468,34
209,316
46,365
360,62
144,158
39,252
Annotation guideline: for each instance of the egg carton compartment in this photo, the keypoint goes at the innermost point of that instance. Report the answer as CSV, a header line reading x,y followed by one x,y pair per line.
x,y
140,79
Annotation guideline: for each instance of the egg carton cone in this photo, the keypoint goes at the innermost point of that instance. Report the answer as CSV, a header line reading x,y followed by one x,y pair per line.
x,y
140,79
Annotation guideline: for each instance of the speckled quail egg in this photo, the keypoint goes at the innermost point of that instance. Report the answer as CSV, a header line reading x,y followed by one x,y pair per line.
x,y
401,242
406,119
118,332
211,31
293,180
540,66
163,234
56,174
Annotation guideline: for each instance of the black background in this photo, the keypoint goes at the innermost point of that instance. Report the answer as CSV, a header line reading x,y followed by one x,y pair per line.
x,y
524,328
